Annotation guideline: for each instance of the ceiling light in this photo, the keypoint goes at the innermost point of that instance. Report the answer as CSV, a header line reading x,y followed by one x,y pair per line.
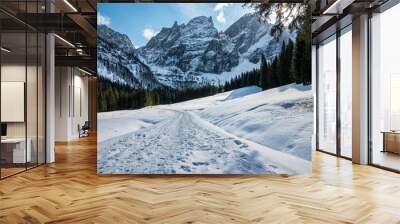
x,y
79,51
337,7
331,7
86,72
64,40
5,50
70,5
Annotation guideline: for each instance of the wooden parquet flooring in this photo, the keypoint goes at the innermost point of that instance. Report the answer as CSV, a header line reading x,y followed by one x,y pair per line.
x,y
70,191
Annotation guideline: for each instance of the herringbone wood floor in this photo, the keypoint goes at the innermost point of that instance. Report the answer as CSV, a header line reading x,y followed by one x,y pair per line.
x,y
70,191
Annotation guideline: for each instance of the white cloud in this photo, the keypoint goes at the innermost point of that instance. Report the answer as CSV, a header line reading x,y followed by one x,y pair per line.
x,y
148,33
221,17
220,6
103,20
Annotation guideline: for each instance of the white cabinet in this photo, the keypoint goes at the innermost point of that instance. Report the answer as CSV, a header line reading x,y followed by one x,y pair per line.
x,y
19,155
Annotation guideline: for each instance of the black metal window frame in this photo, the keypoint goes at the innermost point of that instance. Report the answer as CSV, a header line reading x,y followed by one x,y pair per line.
x,y
339,31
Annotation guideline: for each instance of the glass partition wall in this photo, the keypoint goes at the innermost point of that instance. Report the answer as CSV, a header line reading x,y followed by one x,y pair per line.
x,y
385,89
334,90
22,77
13,89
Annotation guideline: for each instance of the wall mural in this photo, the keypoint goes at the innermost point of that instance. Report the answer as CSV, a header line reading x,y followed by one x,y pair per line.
x,y
201,88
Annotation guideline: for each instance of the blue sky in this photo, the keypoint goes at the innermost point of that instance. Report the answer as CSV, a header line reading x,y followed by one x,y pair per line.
x,y
141,21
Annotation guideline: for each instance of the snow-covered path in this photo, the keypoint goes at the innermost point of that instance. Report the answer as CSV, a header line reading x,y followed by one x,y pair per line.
x,y
198,136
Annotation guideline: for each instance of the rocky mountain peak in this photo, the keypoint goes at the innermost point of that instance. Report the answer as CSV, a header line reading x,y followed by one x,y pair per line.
x,y
119,40
200,27
201,21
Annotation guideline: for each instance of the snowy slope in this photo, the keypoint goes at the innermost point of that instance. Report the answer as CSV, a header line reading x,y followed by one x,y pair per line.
x,y
279,118
242,92
242,131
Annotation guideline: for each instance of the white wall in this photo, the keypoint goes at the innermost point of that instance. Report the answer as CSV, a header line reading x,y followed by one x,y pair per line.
x,y
12,73
62,82
70,83
79,117
17,73
13,101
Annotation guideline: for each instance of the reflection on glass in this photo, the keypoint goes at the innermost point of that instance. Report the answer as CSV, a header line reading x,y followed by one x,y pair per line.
x,y
327,96
346,94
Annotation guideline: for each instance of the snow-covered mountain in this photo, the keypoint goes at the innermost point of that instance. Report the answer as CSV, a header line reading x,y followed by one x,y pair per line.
x,y
118,61
187,55
180,54
252,38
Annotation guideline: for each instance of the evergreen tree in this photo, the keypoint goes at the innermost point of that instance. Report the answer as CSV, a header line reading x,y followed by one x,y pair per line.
x,y
274,76
264,74
285,64
297,70
148,100
301,62
156,98
281,65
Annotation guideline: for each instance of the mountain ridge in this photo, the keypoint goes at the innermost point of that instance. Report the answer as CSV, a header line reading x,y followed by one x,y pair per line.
x,y
193,54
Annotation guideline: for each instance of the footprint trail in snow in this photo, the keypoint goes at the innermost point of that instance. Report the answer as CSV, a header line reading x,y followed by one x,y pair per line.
x,y
182,144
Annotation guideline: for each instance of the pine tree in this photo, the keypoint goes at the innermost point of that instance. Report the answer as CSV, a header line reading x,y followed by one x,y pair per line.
x,y
148,99
264,73
301,62
274,76
285,64
156,99
281,65
297,63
